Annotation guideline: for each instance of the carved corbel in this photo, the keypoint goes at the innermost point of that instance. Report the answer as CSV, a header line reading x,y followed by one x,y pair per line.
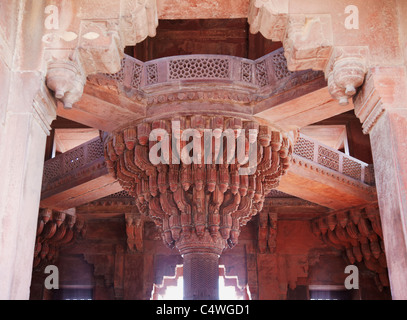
x,y
66,79
382,86
308,41
55,229
345,72
103,267
134,231
267,233
100,46
97,45
269,17
139,19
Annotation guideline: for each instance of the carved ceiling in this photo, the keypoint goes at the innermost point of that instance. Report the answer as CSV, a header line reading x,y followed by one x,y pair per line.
x,y
229,37
203,36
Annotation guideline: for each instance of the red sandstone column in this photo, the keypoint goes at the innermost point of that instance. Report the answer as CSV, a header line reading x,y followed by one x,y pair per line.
x,y
26,111
22,146
201,265
198,209
201,276
382,108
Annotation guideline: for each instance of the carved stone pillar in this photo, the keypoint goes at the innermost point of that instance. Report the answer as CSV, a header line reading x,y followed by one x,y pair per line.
x,y
198,201
201,276
22,146
381,107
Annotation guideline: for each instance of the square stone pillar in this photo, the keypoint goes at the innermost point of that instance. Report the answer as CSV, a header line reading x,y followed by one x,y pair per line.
x,y
381,106
27,116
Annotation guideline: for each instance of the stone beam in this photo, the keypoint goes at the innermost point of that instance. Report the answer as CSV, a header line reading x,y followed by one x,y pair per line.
x,y
318,174
76,177
302,109
327,177
204,9
103,109
324,186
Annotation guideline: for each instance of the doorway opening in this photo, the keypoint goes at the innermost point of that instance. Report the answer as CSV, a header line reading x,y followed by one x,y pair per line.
x,y
172,287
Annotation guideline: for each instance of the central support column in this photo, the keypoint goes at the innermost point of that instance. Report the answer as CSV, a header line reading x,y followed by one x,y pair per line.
x,y
201,265
201,276
199,203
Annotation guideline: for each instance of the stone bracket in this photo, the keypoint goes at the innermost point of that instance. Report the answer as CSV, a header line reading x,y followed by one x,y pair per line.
x,y
309,44
267,232
135,231
95,45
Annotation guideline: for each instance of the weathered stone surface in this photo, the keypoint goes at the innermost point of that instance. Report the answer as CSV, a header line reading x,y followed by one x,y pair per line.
x,y
361,48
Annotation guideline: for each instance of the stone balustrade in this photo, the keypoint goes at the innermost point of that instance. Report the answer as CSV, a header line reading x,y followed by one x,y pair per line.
x,y
327,157
59,169
267,74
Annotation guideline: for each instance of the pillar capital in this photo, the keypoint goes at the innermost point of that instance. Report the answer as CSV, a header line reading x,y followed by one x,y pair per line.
x,y
384,89
199,202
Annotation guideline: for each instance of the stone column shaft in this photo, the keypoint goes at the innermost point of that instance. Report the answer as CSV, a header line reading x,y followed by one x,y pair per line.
x,y
22,145
201,276
381,107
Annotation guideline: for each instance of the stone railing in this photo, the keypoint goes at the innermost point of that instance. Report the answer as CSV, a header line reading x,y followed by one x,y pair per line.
x,y
313,150
63,165
268,72
60,169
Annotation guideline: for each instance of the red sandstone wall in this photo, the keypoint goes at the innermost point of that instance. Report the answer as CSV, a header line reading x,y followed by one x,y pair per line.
x,y
102,261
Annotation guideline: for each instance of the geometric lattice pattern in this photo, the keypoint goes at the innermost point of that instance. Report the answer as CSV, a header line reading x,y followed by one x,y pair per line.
x,y
72,159
328,158
199,68
75,159
94,150
280,65
137,74
52,169
261,74
118,76
304,148
351,168
152,73
246,72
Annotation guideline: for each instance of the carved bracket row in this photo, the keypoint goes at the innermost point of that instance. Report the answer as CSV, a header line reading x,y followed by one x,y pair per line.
x,y
54,230
358,233
198,204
